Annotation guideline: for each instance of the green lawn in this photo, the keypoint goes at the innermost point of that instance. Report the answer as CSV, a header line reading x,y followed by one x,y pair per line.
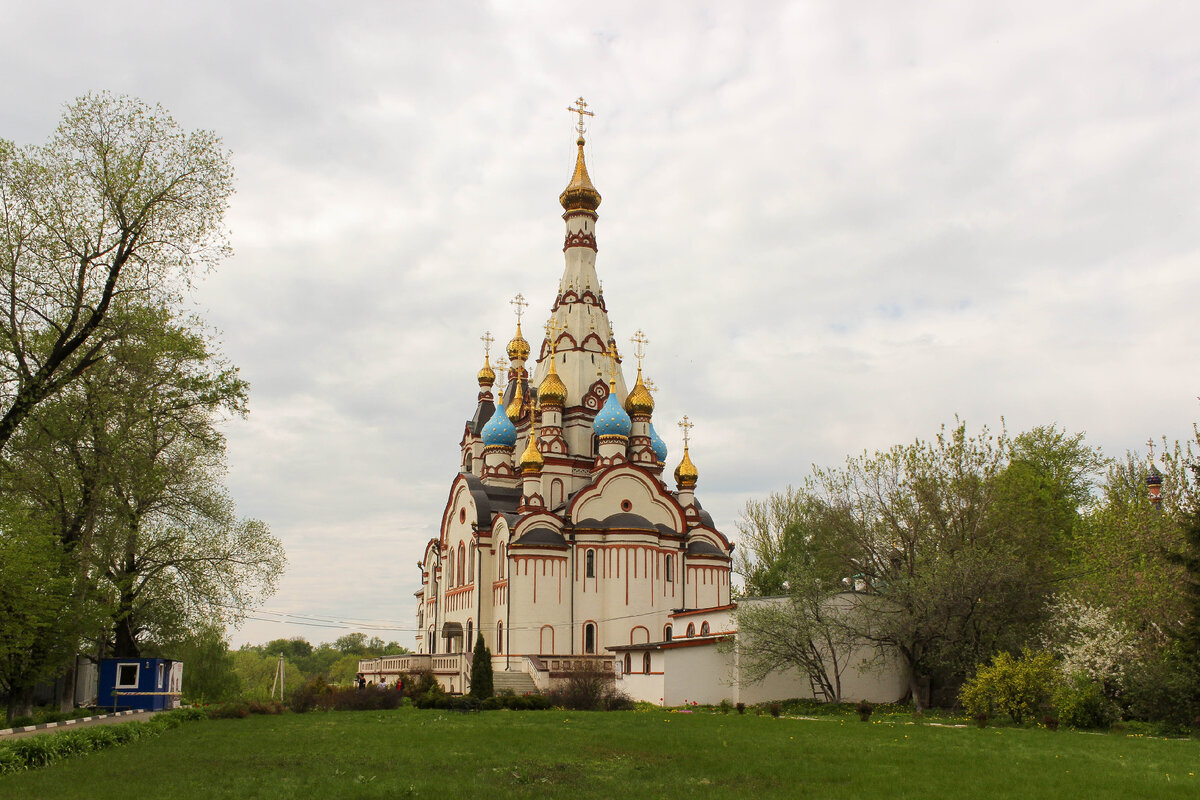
x,y
548,754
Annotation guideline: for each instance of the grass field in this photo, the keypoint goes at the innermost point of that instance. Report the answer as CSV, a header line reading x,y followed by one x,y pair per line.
x,y
655,754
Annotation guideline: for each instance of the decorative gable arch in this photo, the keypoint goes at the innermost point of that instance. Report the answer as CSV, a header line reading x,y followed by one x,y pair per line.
x,y
625,489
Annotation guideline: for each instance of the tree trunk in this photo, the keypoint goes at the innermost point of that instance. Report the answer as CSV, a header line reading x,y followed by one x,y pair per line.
x,y
66,688
20,702
914,688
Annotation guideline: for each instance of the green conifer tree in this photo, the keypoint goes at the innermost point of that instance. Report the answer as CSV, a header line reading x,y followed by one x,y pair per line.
x,y
481,670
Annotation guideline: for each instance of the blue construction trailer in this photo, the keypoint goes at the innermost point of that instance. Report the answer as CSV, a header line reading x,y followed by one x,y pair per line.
x,y
145,684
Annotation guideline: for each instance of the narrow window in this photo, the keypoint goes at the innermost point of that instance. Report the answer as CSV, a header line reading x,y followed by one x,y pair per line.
x,y
628,664
462,564
471,565
691,630
450,571
470,642
499,637
590,560
670,568
646,663
704,629
667,633
589,639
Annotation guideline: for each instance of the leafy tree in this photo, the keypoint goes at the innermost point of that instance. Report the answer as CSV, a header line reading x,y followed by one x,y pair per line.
x,y
209,675
767,541
355,643
35,602
481,670
1118,552
806,630
119,204
951,547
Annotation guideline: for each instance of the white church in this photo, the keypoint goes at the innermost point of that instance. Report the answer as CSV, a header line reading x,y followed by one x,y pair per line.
x,y
563,543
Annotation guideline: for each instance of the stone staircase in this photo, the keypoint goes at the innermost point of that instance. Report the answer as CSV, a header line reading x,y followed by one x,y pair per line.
x,y
515,682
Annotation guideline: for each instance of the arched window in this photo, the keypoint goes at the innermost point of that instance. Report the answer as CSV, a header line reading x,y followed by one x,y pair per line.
x,y
646,663
450,570
704,629
429,641
590,562
470,640
667,633
669,569
499,637
628,664
589,639
462,564
471,565
691,630
501,560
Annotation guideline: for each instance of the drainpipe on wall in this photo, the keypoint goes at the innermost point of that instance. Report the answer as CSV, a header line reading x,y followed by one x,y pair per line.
x,y
571,538
508,574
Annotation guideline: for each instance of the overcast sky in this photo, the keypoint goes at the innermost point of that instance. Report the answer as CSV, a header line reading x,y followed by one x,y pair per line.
x,y
839,224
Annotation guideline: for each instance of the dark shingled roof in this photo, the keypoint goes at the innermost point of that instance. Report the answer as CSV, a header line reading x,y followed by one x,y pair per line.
x,y
483,412
541,535
623,521
483,504
705,517
701,547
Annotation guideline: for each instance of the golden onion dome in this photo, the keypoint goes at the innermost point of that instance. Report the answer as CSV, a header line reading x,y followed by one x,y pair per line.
x,y
518,401
639,401
552,391
686,474
580,194
487,375
531,460
518,348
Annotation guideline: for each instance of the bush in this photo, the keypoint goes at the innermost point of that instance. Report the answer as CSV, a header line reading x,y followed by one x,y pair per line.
x,y
1019,687
1159,690
741,708
590,690
776,709
187,714
864,710
310,696
418,684
228,711
9,760
1081,703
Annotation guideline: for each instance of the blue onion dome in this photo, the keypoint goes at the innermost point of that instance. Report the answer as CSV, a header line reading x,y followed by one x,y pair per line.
x,y
1154,478
658,445
499,429
612,419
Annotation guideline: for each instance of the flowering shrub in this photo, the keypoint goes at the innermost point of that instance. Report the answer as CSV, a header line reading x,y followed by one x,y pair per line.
x,y
1089,641
1018,687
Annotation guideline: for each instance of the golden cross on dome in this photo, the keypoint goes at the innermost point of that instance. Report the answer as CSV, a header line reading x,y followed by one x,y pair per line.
x,y
580,108
501,373
639,346
686,426
487,340
519,304
1150,442
553,328
650,386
